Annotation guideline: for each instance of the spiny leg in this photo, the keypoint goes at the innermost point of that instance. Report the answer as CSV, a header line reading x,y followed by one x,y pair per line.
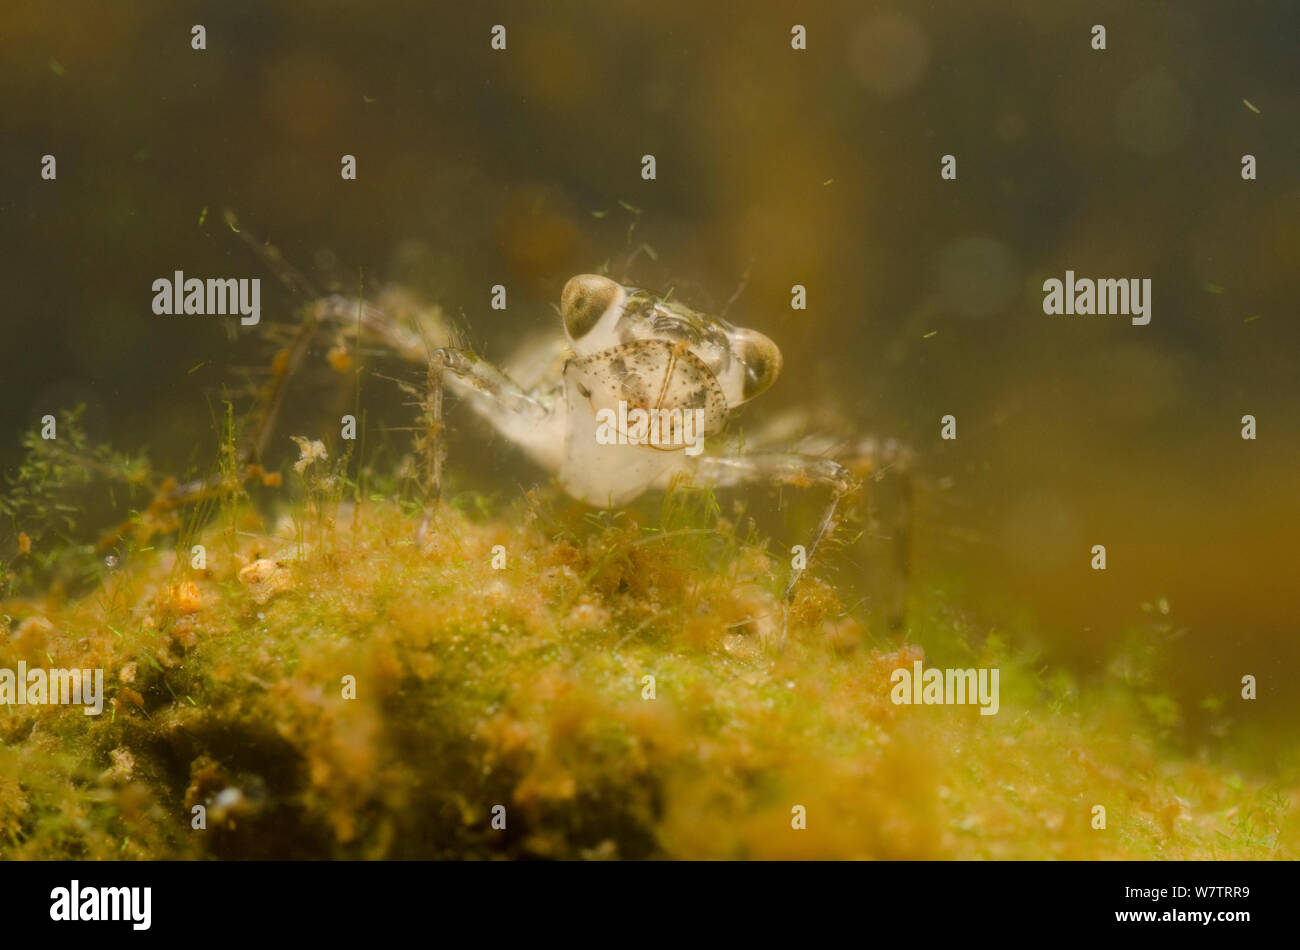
x,y
248,457
785,469
366,323
514,412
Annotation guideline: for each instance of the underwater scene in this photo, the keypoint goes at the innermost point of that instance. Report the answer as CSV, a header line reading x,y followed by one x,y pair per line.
x,y
624,431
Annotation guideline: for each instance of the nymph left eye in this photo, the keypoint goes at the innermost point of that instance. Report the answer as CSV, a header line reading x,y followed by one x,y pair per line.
x,y
761,359
584,301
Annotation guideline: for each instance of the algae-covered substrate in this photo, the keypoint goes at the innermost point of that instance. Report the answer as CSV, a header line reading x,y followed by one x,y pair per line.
x,y
478,685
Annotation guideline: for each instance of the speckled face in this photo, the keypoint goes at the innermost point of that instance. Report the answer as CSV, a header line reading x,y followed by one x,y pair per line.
x,y
603,316
650,374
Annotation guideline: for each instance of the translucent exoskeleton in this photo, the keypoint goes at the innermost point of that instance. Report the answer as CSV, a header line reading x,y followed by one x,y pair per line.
x,y
624,350
634,394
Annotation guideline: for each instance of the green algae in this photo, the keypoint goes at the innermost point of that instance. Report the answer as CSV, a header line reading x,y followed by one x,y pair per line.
x,y
330,682
524,687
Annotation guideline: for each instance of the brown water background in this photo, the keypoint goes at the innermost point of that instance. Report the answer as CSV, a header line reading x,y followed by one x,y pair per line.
x,y
818,167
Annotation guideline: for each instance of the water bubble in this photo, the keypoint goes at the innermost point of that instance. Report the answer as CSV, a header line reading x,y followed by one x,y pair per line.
x,y
110,561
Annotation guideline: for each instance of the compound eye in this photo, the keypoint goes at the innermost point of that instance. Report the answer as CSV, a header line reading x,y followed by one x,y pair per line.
x,y
761,360
585,300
